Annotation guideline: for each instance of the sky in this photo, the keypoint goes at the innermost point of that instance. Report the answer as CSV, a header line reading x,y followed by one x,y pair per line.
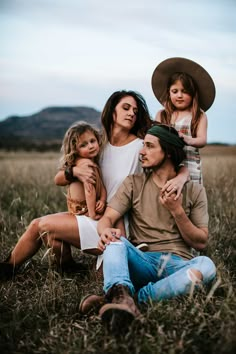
x,y
78,52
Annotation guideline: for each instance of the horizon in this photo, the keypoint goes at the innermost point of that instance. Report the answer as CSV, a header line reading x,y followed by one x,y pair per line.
x,y
81,106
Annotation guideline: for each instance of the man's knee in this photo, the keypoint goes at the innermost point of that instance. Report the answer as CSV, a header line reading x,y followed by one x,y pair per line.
x,y
114,248
205,270
195,275
115,244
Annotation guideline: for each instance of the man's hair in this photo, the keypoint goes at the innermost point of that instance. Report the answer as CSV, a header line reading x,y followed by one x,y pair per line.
x,y
175,153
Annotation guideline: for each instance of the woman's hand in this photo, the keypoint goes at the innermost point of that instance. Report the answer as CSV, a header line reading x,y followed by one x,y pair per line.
x,y
108,235
85,171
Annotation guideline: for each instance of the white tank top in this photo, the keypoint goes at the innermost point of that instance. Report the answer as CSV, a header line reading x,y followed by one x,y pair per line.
x,y
117,162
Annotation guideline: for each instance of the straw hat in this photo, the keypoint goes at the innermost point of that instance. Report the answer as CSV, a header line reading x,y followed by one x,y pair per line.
x,y
204,82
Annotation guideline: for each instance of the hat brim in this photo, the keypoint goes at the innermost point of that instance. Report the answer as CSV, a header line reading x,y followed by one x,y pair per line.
x,y
204,82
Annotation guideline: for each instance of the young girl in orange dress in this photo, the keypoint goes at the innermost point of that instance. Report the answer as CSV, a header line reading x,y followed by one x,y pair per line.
x,y
82,141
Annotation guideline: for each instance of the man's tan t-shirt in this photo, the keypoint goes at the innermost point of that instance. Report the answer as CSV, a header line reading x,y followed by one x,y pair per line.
x,y
151,222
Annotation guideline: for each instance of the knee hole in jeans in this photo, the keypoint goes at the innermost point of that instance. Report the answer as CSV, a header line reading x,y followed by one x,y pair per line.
x,y
194,275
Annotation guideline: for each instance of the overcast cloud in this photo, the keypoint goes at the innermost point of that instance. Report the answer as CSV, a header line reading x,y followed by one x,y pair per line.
x,y
74,52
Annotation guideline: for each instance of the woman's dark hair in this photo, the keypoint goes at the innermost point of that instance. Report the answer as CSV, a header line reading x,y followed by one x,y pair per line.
x,y
176,154
143,121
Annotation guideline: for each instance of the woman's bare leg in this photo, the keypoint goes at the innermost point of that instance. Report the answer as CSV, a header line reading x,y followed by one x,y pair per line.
x,y
60,249
28,244
56,227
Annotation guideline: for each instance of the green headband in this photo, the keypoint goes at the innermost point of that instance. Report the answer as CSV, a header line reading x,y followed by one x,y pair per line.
x,y
166,136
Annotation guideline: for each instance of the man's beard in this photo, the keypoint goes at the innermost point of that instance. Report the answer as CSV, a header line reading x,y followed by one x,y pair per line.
x,y
149,170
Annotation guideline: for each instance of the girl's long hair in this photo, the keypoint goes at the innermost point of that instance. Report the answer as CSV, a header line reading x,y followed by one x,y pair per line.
x,y
70,141
143,121
191,88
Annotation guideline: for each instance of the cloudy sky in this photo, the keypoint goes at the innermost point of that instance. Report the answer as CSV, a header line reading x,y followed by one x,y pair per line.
x,y
77,52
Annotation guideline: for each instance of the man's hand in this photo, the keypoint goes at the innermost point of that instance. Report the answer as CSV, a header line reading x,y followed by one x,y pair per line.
x,y
108,235
85,171
175,185
170,202
194,236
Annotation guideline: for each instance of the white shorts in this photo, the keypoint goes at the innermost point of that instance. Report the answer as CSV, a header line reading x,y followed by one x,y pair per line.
x,y
88,234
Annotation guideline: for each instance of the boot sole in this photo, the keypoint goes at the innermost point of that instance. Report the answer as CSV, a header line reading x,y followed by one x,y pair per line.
x,y
81,305
116,317
93,307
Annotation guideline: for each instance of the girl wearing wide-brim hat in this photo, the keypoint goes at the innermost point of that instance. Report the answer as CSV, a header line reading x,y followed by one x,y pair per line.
x,y
186,91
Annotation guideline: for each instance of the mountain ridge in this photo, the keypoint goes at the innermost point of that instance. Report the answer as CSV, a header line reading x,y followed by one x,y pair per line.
x,y
44,129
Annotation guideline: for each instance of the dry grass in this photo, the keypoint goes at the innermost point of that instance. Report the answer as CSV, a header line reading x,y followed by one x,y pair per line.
x,y
39,309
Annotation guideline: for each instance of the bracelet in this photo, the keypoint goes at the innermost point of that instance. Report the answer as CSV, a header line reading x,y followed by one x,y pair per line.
x,y
69,174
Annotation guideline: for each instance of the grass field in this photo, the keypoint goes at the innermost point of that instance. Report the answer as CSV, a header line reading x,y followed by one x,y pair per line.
x,y
39,309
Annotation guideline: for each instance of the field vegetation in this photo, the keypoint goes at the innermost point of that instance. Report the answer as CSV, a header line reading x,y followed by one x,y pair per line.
x,y
39,308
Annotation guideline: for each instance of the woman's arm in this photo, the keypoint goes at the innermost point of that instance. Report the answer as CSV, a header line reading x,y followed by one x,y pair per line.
x,y
84,171
60,179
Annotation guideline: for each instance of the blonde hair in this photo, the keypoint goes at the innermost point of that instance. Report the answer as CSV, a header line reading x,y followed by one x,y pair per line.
x,y
191,88
70,140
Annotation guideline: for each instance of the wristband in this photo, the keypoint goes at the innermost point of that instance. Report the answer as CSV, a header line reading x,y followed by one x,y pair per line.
x,y
69,174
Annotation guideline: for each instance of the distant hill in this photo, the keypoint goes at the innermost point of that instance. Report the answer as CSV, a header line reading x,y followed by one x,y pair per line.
x,y
43,130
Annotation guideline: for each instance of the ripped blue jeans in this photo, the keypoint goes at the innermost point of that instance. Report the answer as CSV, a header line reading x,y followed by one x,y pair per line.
x,y
153,275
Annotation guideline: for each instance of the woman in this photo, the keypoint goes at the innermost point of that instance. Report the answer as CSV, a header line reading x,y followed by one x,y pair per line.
x,y
125,118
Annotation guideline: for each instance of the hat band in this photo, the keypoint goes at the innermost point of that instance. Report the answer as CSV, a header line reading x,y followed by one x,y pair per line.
x,y
166,136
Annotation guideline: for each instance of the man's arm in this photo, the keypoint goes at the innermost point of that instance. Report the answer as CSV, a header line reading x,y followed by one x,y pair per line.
x,y
105,228
194,236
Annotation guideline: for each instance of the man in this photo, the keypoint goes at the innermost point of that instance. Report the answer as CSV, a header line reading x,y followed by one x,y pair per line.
x,y
170,227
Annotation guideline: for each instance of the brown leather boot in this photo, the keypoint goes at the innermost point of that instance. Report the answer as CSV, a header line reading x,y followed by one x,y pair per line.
x,y
7,270
122,310
91,302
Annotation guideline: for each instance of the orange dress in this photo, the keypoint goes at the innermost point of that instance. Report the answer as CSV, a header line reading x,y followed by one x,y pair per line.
x,y
79,207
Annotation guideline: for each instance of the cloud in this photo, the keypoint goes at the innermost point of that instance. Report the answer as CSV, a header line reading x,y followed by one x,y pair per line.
x,y
78,52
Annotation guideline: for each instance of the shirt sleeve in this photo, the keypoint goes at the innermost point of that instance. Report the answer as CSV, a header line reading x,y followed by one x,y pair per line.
x,y
122,200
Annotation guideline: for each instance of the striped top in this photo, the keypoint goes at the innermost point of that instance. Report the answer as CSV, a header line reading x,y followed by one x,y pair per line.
x,y
193,160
